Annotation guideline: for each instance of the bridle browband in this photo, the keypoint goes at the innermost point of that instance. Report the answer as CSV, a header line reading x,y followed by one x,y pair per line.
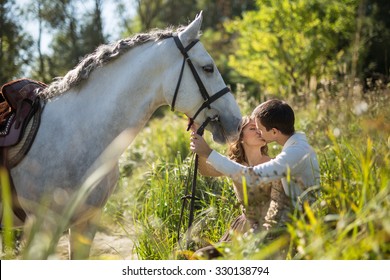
x,y
208,99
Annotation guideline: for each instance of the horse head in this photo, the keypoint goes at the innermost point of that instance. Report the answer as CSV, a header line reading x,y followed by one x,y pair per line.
x,y
200,91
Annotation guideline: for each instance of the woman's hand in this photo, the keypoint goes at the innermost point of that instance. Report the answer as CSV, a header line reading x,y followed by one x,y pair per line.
x,y
194,127
198,145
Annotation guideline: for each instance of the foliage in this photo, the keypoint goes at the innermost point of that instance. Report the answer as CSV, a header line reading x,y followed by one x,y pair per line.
x,y
285,45
349,221
155,14
15,44
161,13
159,184
277,47
74,34
220,44
375,45
216,12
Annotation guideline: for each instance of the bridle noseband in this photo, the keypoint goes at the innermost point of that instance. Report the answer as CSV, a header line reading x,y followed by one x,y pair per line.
x,y
208,99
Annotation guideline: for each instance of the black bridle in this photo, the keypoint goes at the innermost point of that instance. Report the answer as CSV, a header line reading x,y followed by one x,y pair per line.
x,y
206,104
207,98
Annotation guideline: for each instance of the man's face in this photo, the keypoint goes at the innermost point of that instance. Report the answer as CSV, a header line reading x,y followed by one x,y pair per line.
x,y
268,136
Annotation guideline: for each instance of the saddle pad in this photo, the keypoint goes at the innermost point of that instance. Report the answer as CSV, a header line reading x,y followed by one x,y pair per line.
x,y
17,152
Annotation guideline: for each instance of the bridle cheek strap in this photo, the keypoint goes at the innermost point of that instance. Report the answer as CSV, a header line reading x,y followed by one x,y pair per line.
x,y
177,86
202,89
185,57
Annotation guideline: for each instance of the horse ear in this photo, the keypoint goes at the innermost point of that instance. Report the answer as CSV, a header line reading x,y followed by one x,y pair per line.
x,y
191,32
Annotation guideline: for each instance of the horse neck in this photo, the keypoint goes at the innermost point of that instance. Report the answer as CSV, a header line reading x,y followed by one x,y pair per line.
x,y
116,97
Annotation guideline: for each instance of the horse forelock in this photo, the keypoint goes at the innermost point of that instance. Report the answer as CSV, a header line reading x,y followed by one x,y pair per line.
x,y
101,56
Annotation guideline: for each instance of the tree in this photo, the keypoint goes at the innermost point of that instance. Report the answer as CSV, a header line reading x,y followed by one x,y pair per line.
x,y
286,45
15,45
74,34
218,41
147,12
375,56
162,13
216,12
159,14
91,32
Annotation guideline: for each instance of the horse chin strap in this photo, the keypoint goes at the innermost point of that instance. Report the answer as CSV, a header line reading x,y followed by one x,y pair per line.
x,y
207,98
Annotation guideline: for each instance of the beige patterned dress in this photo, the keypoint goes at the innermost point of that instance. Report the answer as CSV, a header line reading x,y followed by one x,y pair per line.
x,y
268,210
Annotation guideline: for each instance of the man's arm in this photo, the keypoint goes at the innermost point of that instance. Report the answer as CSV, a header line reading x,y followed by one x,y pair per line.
x,y
268,171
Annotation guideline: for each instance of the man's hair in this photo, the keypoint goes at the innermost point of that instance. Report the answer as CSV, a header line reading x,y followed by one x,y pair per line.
x,y
277,114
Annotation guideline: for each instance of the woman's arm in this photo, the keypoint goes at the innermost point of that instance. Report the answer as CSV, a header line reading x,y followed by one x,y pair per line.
x,y
269,171
230,168
207,169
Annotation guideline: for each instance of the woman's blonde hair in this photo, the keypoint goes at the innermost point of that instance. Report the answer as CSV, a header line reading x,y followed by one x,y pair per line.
x,y
236,150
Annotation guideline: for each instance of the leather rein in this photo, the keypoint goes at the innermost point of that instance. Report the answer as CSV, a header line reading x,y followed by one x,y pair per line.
x,y
206,104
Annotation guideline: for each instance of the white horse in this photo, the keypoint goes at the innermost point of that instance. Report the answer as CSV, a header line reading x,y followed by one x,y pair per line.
x,y
112,92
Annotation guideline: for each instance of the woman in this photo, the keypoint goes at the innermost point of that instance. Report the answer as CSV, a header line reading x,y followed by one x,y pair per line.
x,y
267,206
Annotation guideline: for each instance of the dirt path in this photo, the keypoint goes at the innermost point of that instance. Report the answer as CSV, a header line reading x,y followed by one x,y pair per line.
x,y
108,244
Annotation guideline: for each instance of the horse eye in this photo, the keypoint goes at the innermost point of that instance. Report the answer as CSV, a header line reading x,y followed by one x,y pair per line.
x,y
208,68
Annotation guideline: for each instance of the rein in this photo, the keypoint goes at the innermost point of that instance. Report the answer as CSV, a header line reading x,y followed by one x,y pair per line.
x,y
206,104
191,196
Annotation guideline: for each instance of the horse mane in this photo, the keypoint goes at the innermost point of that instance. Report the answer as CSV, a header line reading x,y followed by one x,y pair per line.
x,y
101,56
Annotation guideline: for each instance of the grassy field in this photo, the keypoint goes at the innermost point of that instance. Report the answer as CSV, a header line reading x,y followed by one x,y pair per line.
x,y
351,219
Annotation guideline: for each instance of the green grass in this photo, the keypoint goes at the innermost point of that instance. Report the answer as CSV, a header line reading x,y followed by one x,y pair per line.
x,y
156,178
351,219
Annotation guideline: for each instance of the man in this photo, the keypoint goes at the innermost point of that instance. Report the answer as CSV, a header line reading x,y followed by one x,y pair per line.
x,y
297,165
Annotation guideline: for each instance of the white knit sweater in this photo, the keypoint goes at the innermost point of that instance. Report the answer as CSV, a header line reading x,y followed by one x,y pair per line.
x,y
297,166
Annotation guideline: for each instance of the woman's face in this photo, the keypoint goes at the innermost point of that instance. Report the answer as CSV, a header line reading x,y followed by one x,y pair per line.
x,y
251,137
